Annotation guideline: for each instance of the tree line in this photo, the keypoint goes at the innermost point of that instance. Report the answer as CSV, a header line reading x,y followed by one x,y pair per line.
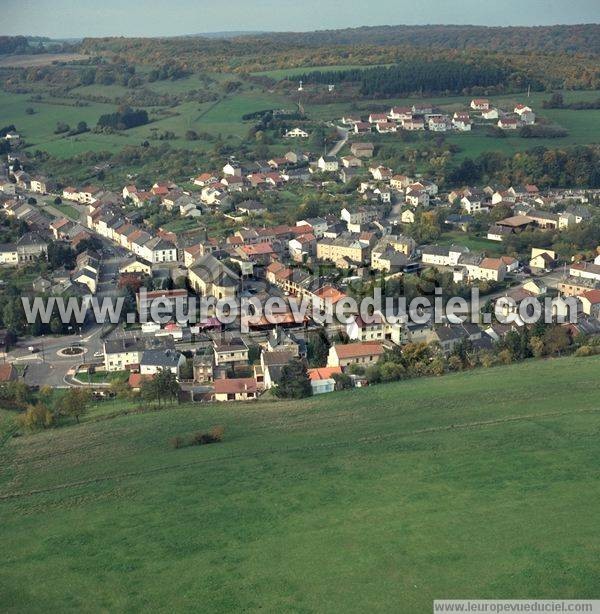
x,y
410,76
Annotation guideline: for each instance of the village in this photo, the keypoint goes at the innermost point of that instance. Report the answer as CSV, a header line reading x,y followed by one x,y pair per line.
x,y
321,258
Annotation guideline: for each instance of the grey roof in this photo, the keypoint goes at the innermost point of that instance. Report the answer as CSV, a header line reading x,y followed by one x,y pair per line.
x,y
211,270
161,358
126,344
276,358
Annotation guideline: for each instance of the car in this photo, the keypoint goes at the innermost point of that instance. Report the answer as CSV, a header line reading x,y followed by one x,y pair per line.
x,y
98,354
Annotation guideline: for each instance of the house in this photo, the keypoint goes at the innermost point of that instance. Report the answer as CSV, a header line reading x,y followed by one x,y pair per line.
x,y
415,123
272,364
328,164
210,277
480,104
378,118
590,302
343,247
542,260
296,133
415,197
280,340
322,379
351,162
120,354
438,123
508,123
449,336
408,216
522,108
366,354
8,254
203,367
490,114
362,150
362,128
380,173
360,330
585,270
153,361
461,121
135,266
472,267
40,185
386,127
232,169
239,389
436,255
231,352
476,202
399,114
31,246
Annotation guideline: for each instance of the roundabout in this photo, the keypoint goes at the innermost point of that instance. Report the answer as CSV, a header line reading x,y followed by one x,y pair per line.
x,y
71,351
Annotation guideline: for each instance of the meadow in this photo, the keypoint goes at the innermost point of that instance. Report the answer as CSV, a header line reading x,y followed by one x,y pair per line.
x,y
223,118
478,484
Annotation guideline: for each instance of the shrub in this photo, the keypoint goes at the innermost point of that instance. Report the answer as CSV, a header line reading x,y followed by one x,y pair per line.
x,y
217,433
176,442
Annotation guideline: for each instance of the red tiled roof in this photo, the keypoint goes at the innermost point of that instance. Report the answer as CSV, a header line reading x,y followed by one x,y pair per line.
x,y
355,350
323,373
7,373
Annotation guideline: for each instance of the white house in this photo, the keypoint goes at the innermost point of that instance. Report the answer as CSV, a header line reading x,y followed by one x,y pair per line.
x,y
296,133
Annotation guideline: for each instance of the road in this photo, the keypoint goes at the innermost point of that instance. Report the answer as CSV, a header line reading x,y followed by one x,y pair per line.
x,y
344,133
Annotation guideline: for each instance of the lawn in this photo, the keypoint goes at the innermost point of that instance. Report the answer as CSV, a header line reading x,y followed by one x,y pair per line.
x,y
475,244
482,484
67,211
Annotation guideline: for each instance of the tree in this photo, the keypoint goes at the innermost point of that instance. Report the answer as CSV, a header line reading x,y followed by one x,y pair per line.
x,y
36,416
319,349
162,387
342,381
294,382
536,344
75,403
556,340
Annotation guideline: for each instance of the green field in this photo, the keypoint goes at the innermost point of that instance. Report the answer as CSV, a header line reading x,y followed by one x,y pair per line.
x,y
224,118
475,244
481,484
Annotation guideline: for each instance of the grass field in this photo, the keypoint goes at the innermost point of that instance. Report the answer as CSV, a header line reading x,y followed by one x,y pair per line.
x,y
475,244
225,118
481,484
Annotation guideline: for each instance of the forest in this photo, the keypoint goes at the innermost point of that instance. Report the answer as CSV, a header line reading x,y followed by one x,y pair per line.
x,y
415,76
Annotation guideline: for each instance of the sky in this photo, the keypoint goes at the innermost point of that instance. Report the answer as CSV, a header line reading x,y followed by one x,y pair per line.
x,y
81,18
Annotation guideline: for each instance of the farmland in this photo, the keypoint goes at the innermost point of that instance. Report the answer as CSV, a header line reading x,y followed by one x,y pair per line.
x,y
378,499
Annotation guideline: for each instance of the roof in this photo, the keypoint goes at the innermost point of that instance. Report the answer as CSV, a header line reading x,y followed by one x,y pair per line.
x,y
276,358
161,358
8,373
323,373
232,386
126,344
355,350
593,296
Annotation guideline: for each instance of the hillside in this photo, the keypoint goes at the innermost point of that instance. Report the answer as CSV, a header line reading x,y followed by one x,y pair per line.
x,y
477,484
